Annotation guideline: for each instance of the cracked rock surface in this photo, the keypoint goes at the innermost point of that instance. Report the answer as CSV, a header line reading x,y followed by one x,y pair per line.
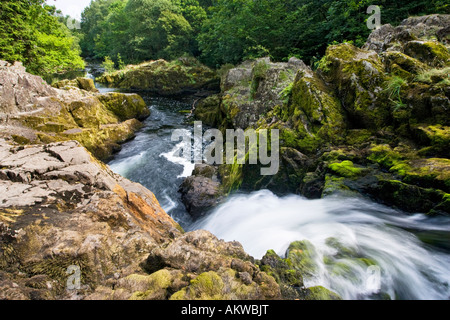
x,y
61,208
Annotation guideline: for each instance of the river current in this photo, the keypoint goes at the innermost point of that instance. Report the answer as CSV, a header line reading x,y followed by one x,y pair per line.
x,y
411,253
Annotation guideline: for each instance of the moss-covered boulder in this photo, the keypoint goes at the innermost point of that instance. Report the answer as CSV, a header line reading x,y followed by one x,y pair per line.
x,y
254,88
38,113
78,83
431,52
358,77
301,261
185,75
208,111
125,106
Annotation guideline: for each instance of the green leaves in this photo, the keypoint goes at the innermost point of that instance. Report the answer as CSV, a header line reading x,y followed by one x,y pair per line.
x,y
32,34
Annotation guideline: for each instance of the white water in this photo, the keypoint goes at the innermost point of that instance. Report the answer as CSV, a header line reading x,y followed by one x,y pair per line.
x,y
175,156
409,268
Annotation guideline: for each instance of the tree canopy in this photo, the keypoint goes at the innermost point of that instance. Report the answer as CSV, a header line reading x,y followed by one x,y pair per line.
x,y
32,32
215,31
229,31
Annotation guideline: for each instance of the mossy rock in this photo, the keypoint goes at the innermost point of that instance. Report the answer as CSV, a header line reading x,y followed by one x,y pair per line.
x,y
357,76
153,287
412,198
315,111
164,78
335,185
395,59
303,256
320,293
206,286
431,52
346,169
281,270
125,106
436,136
357,137
208,111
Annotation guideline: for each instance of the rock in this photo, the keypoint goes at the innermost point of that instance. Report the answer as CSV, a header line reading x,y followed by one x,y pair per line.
x,y
255,88
164,78
388,38
125,106
198,252
320,293
33,112
358,77
289,274
79,83
201,191
208,111
61,207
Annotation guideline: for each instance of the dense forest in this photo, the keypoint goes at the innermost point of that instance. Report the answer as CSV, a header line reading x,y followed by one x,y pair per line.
x,y
215,31
35,33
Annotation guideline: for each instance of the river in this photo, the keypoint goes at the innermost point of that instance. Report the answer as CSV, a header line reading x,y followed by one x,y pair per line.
x,y
411,252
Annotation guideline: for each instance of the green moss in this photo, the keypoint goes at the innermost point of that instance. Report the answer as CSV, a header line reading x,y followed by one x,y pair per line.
x,y
303,255
283,271
125,107
431,52
155,284
356,137
345,169
334,185
207,286
385,156
437,136
357,76
321,293
179,295
413,198
20,139
400,61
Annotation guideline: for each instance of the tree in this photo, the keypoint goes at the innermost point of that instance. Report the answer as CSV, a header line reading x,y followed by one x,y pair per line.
x,y
31,33
157,29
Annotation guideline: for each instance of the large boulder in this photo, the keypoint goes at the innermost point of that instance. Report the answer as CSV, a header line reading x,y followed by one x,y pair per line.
x,y
61,210
31,111
60,207
185,75
254,88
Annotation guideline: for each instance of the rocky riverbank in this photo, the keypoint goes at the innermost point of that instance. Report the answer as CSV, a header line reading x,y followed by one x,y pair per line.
x,y
371,121
31,111
62,209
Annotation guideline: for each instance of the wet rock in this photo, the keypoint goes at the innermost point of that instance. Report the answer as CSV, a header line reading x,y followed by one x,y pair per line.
x,y
201,191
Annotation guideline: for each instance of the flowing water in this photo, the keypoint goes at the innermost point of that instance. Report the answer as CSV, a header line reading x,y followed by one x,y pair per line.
x,y
411,252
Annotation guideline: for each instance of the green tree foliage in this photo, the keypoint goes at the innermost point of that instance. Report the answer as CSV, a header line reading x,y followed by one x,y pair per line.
x,y
229,31
141,29
31,32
